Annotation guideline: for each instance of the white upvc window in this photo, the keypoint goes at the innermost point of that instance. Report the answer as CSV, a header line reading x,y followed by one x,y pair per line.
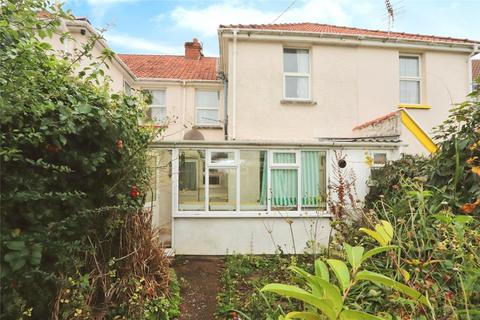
x,y
158,109
207,105
250,181
410,79
296,74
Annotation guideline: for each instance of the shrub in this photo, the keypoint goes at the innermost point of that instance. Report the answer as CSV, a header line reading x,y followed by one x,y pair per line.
x,y
74,168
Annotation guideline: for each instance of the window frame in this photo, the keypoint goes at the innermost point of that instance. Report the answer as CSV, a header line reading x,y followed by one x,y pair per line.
x,y
300,211
218,124
158,106
405,78
379,165
297,74
153,203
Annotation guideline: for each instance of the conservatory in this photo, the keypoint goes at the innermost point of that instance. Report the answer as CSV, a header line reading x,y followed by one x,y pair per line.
x,y
212,200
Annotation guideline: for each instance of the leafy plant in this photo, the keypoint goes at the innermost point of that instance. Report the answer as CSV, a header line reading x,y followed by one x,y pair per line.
x,y
330,299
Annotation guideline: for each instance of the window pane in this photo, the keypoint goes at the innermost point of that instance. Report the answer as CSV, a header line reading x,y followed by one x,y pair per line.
x,y
284,157
158,114
296,87
223,196
209,117
151,195
253,180
223,158
379,158
191,193
409,66
284,189
295,60
410,91
313,179
164,218
158,97
207,99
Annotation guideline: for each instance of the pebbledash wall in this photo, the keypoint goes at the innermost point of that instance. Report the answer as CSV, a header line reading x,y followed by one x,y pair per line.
x,y
350,83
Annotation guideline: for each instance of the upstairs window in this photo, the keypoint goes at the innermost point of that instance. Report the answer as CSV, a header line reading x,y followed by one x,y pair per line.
x,y
410,79
158,109
296,74
206,103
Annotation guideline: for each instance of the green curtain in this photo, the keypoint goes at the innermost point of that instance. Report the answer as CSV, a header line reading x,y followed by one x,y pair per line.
x,y
284,187
284,182
310,178
263,181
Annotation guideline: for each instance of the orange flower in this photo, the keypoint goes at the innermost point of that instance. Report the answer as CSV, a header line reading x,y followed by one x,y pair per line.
x,y
468,207
476,170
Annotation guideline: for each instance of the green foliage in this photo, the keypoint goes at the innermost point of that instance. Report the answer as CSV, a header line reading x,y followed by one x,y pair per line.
x,y
433,204
456,168
330,299
242,280
387,181
71,152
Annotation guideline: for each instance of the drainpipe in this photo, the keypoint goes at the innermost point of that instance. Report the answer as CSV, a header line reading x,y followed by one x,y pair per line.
x,y
184,101
225,106
234,86
470,56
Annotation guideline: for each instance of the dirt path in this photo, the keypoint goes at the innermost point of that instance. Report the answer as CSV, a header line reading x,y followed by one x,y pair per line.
x,y
200,282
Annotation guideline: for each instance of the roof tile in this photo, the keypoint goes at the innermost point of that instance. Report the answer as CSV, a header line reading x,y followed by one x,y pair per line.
x,y
171,67
338,30
476,68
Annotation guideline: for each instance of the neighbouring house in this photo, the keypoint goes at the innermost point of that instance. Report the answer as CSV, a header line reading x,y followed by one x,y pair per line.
x,y
253,136
476,73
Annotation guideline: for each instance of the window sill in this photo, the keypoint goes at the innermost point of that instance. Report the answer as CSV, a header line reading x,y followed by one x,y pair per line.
x,y
414,106
298,102
200,126
252,214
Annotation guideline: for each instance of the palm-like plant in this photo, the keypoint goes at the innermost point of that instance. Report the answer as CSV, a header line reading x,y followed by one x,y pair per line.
x,y
325,299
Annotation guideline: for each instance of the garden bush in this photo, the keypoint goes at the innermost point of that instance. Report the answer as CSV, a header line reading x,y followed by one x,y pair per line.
x,y
74,172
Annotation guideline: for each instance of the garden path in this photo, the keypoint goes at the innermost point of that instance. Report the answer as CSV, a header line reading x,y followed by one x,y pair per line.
x,y
199,278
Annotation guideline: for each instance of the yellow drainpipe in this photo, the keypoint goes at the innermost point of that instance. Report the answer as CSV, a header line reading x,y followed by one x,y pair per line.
x,y
417,131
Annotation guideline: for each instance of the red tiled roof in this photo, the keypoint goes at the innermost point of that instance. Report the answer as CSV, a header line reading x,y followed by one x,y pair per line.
x,y
475,69
339,30
376,121
171,67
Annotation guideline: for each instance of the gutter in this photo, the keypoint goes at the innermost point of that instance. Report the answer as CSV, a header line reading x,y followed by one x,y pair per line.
x,y
174,80
344,39
276,144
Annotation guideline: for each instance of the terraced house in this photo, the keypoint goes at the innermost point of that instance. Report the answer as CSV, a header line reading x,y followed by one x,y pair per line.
x,y
255,135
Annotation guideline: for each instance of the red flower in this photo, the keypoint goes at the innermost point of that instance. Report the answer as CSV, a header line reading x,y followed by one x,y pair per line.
x,y
134,192
52,148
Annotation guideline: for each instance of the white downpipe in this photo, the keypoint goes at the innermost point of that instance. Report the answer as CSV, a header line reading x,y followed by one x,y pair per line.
x,y
184,101
234,86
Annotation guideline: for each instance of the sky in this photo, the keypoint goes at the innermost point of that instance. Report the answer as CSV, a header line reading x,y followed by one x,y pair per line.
x,y
162,26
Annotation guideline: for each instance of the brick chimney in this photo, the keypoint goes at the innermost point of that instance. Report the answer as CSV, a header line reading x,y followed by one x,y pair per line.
x,y
193,50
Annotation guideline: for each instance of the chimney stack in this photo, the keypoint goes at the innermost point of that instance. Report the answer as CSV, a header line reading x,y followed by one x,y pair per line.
x,y
193,50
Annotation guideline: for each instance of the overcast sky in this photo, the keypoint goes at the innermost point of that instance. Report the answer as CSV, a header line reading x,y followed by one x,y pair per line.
x,y
160,26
